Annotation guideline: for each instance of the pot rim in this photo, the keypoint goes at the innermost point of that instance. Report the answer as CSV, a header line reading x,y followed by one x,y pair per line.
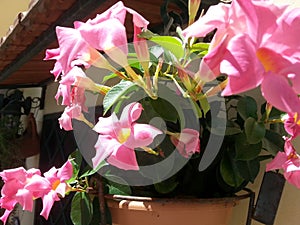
x,y
234,198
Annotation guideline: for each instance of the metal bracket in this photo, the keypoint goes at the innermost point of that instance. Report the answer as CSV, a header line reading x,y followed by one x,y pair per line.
x,y
265,209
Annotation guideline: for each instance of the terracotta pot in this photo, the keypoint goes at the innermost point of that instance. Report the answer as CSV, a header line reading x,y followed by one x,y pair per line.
x,y
127,210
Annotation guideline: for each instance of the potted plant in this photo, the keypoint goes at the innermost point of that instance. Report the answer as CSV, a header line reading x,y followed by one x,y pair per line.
x,y
178,120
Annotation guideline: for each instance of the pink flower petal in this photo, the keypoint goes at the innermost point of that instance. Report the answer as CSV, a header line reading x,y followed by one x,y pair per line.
x,y
106,125
71,45
142,135
70,77
292,173
104,146
69,113
102,37
117,11
65,172
24,197
215,17
123,158
292,124
187,143
277,162
15,173
64,91
286,99
48,201
5,216
131,113
244,70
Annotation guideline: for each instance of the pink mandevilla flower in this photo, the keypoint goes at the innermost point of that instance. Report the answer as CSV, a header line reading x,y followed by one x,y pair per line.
x,y
119,137
98,33
247,53
292,124
289,161
187,142
21,186
58,187
71,93
72,47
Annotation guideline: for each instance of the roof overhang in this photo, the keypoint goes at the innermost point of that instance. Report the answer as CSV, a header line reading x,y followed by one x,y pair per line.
x,y
23,49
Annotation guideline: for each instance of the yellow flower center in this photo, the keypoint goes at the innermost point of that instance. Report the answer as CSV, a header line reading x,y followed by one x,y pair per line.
x,y
292,156
265,56
55,184
296,119
123,135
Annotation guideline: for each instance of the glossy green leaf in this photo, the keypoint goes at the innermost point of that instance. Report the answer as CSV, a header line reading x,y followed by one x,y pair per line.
x,y
81,209
247,107
165,109
273,142
229,171
255,131
248,169
172,44
244,150
116,92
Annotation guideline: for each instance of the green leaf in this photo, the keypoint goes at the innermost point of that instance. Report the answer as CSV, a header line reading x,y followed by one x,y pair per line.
x,y
254,130
205,106
88,171
248,169
166,186
244,150
165,109
147,34
173,44
109,77
117,92
273,142
274,114
232,128
229,171
81,209
247,107
117,185
200,46
76,160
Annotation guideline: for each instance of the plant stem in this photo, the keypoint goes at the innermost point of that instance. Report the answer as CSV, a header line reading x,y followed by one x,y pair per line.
x,y
101,200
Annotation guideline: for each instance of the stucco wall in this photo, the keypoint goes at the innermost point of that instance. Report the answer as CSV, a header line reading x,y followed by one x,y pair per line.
x,y
9,10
